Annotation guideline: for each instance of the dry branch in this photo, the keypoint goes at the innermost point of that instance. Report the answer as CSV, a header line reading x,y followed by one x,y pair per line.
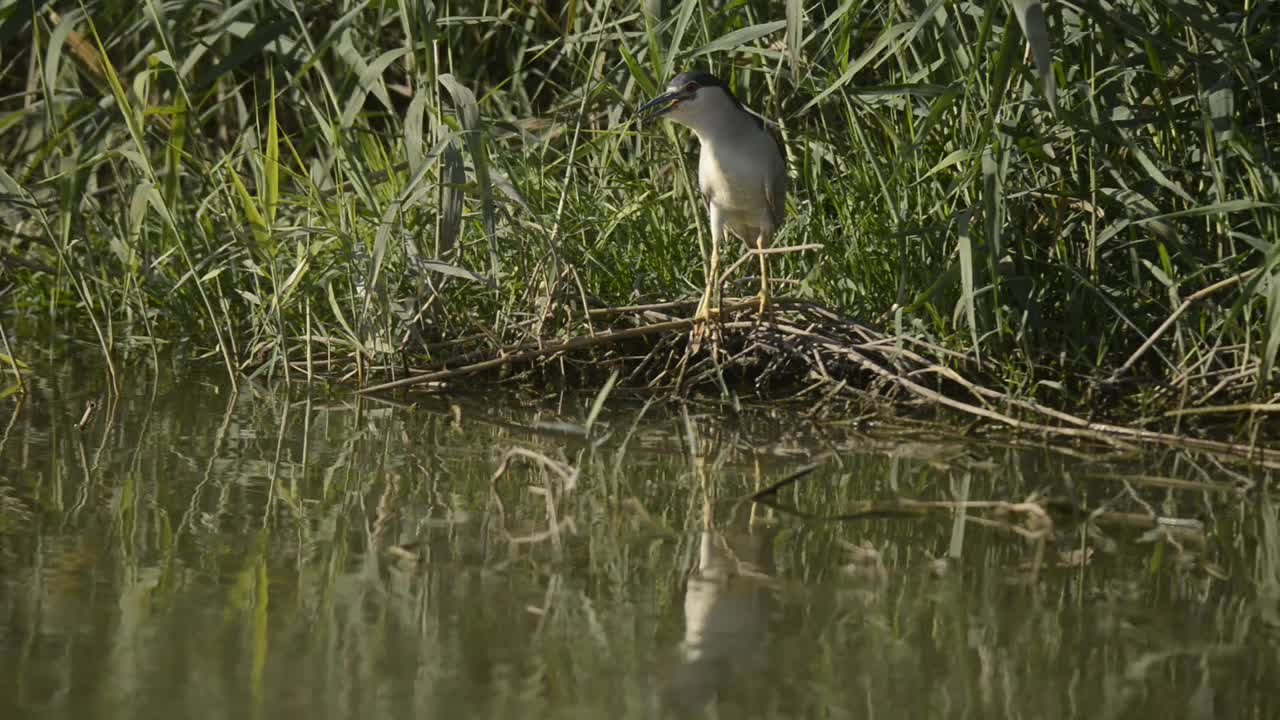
x,y
1186,304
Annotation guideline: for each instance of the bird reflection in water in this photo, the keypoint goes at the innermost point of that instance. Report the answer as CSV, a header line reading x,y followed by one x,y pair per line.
x,y
727,602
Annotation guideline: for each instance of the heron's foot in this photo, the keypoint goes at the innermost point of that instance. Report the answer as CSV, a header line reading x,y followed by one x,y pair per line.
x,y
706,323
764,304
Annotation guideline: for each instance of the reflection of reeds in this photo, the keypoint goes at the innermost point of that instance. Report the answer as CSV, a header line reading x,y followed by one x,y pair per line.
x,y
198,549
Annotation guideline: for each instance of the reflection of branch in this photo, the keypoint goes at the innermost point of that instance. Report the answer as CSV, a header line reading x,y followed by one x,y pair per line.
x,y
568,481
568,475
866,510
1178,483
792,477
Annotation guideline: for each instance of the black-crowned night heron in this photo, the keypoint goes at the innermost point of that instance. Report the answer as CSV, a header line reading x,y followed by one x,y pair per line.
x,y
741,172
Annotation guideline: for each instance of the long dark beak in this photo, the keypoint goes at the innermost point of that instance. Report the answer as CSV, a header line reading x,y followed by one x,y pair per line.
x,y
661,105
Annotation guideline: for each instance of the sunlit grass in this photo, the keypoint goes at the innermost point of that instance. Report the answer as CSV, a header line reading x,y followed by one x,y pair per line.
x,y
339,189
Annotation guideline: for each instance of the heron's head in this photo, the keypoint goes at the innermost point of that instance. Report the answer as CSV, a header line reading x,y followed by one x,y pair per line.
x,y
697,100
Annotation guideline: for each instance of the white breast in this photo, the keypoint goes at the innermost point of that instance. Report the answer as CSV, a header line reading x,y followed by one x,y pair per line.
x,y
735,182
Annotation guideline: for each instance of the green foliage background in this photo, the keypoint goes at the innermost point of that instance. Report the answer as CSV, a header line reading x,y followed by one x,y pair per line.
x,y
354,185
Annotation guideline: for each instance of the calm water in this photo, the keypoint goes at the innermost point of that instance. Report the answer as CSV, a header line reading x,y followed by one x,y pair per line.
x,y
191,553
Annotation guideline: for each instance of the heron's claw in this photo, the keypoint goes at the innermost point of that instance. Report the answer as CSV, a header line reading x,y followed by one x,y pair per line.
x,y
764,304
706,324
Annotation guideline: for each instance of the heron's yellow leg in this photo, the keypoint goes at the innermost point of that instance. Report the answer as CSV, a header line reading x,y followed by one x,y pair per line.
x,y
764,283
709,307
707,316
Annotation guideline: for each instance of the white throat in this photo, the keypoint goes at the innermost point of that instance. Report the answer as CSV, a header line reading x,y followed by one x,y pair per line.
x,y
711,115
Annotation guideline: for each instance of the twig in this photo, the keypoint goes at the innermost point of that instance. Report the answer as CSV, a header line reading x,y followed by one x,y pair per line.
x,y
1241,408
628,309
784,249
752,252
1177,313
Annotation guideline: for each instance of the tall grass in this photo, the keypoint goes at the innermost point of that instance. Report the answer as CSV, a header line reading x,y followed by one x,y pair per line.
x,y
303,187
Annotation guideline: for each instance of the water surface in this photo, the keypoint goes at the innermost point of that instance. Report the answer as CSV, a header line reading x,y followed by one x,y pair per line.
x,y
287,552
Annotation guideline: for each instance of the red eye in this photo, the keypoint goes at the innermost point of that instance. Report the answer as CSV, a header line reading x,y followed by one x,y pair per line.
x,y
691,87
